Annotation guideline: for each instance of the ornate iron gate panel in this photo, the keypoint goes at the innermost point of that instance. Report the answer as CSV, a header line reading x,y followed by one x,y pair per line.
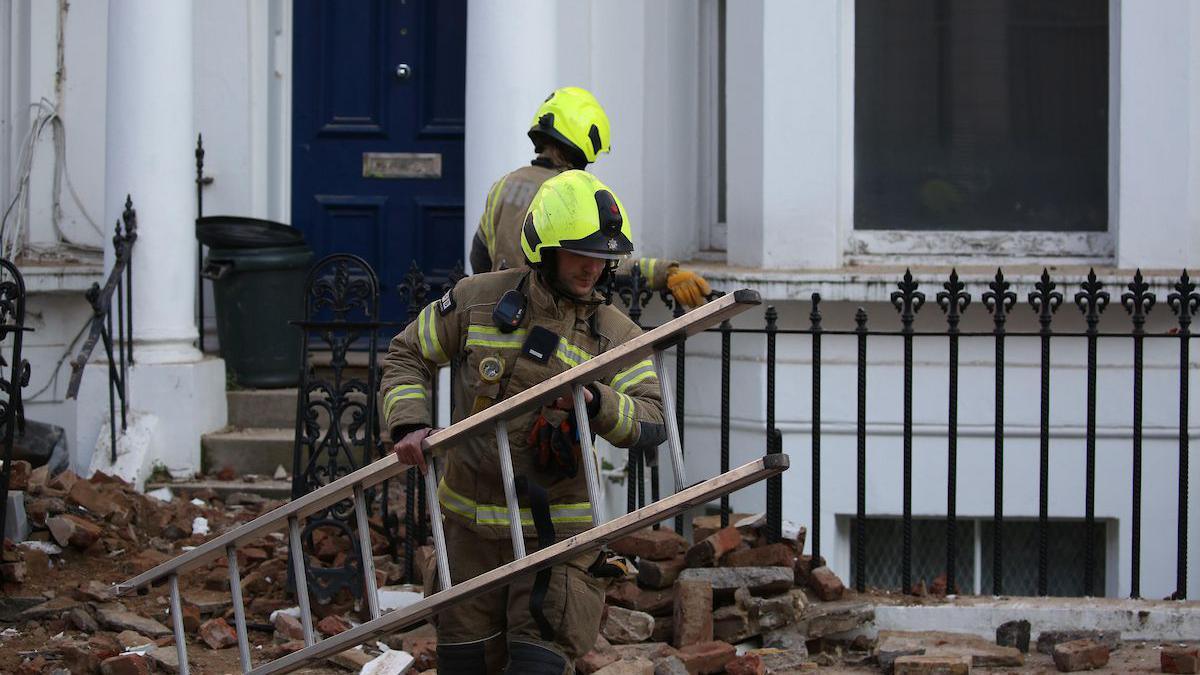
x,y
14,371
337,429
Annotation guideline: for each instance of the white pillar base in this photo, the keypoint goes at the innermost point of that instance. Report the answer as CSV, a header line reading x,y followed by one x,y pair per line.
x,y
187,399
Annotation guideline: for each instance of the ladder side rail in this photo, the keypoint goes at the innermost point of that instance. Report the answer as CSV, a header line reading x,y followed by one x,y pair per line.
x,y
296,552
701,493
641,347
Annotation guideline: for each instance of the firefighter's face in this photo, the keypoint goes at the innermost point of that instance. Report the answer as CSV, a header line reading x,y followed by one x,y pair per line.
x,y
579,273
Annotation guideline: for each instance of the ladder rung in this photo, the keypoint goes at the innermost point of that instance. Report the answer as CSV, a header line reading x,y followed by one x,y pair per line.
x,y
588,450
510,489
366,550
668,401
177,624
300,578
435,522
239,611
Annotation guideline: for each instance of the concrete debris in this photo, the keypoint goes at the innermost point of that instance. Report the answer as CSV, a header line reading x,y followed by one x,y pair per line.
x,y
626,626
758,580
391,662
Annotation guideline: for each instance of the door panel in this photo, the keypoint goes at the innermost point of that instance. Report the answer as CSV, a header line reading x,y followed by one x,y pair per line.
x,y
350,103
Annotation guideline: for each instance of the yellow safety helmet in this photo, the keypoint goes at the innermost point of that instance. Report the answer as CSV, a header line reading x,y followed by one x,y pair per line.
x,y
573,117
576,212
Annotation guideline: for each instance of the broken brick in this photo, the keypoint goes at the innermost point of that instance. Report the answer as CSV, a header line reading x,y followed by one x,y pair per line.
x,y
771,555
693,615
332,625
706,658
1180,659
217,634
709,551
629,595
661,544
659,573
1080,655
826,584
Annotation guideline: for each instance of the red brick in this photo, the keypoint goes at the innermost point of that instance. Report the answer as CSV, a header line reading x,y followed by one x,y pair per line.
x,y
826,584
709,551
595,660
706,658
659,573
661,544
629,595
83,493
18,479
771,555
332,625
125,664
288,627
747,664
1180,660
74,531
217,634
1080,655
693,618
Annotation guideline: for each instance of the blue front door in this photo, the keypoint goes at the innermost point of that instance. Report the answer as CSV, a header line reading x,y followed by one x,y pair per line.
x,y
377,155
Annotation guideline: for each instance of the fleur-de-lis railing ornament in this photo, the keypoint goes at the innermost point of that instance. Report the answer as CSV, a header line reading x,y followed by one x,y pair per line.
x,y
953,300
999,298
1138,301
634,292
1185,301
908,300
342,292
1092,300
414,289
1045,300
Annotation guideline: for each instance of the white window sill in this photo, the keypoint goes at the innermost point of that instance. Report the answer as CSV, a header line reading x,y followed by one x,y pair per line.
x,y
875,283
73,273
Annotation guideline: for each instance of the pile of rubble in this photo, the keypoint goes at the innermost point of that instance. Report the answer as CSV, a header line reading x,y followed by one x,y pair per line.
x,y
691,607
82,535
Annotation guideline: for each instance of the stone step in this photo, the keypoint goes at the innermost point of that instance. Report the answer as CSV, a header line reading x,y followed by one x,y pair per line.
x,y
271,489
262,408
246,451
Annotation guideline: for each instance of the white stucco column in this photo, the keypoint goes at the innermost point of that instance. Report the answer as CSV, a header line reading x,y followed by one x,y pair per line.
x,y
175,393
1157,101
149,155
788,116
510,69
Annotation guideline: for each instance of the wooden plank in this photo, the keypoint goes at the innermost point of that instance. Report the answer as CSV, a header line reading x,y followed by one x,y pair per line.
x,y
641,347
701,493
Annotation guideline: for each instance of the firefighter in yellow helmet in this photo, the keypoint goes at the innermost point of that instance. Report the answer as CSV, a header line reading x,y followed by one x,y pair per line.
x,y
505,332
569,131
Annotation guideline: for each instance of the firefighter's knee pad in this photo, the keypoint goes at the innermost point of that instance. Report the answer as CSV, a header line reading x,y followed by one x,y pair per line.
x,y
469,658
525,658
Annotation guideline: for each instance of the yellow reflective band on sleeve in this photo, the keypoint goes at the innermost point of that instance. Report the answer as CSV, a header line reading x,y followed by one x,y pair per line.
x,y
625,379
625,418
648,265
399,393
431,347
490,336
570,354
492,514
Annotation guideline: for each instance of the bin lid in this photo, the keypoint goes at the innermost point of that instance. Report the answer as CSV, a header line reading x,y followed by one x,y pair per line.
x,y
241,232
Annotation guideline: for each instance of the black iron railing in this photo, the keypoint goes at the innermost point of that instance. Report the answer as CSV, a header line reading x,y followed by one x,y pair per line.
x,y
337,430
112,303
1001,303
14,371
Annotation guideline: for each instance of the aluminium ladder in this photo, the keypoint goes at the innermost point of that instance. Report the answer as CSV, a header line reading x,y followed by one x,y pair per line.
x,y
352,486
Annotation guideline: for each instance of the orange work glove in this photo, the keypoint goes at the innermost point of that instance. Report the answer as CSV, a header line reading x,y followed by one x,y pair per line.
x,y
688,287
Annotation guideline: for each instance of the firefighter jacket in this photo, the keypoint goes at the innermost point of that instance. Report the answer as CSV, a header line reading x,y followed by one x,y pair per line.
x,y
458,330
497,243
